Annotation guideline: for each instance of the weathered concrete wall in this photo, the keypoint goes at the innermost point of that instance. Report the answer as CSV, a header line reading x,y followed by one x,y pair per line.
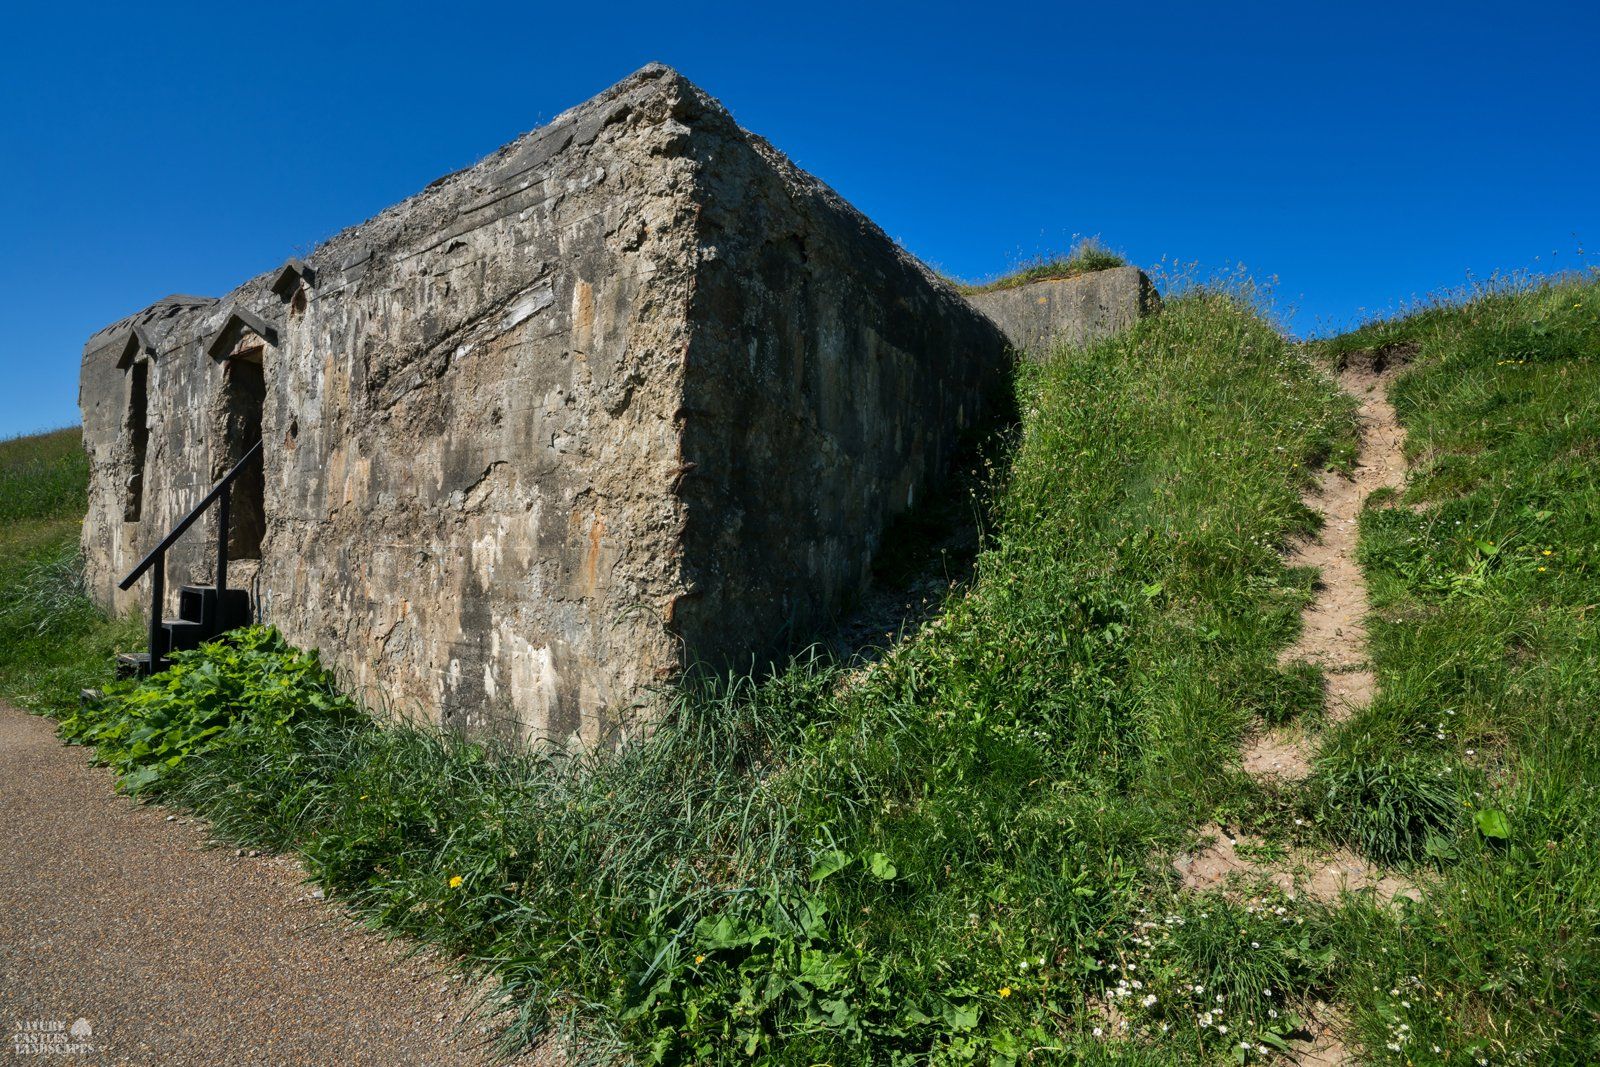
x,y
1072,311
630,393
830,376
177,457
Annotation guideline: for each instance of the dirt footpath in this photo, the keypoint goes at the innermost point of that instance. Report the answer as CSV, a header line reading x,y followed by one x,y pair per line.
x,y
123,939
1334,637
1334,631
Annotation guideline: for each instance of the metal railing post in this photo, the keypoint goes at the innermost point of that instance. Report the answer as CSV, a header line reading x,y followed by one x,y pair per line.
x,y
222,542
156,560
158,593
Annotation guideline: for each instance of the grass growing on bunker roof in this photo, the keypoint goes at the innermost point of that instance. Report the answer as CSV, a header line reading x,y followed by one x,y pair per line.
x,y
1085,257
956,857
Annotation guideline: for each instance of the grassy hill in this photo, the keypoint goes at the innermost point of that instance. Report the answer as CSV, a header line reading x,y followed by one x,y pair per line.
x,y
1485,577
52,641
962,854
43,478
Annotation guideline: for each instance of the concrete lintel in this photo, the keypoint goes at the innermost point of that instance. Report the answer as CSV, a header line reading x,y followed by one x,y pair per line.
x,y
290,277
137,343
219,342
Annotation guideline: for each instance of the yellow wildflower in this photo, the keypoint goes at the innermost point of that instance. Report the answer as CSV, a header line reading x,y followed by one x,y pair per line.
x,y
699,959
1005,991
455,881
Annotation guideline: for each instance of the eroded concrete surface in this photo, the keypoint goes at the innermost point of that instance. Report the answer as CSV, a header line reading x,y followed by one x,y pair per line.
x,y
1070,311
630,393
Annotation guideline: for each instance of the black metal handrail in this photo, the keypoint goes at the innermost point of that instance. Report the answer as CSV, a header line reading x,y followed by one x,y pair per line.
x,y
157,557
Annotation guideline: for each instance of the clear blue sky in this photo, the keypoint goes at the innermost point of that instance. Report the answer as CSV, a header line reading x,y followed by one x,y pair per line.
x,y
1362,154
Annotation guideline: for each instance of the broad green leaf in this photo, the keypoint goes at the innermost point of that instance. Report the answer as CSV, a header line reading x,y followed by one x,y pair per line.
x,y
961,1016
829,863
1493,823
139,779
812,915
822,970
1440,848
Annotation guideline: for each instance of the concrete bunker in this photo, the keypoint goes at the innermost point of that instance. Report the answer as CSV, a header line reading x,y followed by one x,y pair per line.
x,y
1072,311
631,393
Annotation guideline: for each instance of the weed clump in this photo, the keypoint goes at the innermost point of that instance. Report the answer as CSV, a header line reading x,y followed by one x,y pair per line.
x,y
252,687
1394,810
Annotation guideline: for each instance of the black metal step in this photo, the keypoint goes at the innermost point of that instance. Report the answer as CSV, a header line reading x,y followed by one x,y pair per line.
x,y
193,601
199,603
202,615
183,634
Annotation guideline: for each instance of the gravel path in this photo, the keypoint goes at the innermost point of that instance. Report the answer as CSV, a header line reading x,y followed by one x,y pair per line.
x,y
176,953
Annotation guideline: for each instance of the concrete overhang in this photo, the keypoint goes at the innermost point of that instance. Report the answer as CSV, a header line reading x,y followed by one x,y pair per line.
x,y
239,319
135,345
292,275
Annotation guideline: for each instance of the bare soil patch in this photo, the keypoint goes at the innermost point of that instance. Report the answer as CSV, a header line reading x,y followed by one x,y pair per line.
x,y
1223,863
1334,638
1334,631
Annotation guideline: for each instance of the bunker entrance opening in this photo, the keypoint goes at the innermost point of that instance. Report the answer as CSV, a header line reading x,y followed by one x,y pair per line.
x,y
138,430
244,391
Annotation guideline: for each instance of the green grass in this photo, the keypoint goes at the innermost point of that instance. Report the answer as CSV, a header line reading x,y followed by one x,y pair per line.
x,y
1085,257
1486,638
958,857
43,476
52,641
961,854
